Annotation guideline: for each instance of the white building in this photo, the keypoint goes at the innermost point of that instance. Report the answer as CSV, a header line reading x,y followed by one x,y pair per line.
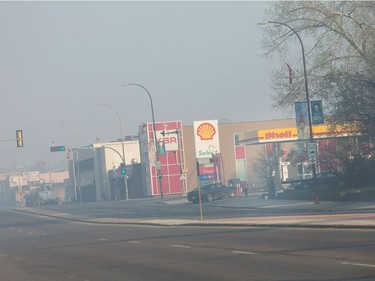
x,y
95,172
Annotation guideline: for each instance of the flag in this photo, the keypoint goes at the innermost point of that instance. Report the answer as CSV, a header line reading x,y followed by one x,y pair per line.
x,y
143,128
290,73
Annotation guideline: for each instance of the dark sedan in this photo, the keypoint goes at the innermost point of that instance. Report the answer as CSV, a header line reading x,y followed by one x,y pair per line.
x,y
210,192
324,179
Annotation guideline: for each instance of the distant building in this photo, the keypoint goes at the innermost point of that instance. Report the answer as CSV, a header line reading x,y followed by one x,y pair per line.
x,y
94,170
14,186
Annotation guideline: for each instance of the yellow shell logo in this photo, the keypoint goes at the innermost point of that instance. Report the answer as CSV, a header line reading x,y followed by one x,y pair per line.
x,y
206,131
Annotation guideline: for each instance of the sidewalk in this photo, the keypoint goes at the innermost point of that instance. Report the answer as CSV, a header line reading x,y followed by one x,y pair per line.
x,y
365,219
353,214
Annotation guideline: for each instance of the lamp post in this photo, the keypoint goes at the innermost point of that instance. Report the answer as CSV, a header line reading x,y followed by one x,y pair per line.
x,y
75,158
311,135
121,157
3,205
159,175
123,149
50,171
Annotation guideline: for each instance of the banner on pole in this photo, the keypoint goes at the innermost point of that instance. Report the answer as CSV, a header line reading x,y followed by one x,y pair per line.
x,y
317,112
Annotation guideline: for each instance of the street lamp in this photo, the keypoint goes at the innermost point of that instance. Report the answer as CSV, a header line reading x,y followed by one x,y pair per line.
x,y
75,158
311,135
123,161
159,175
122,144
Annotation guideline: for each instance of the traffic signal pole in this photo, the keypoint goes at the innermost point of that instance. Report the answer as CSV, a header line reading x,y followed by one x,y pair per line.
x,y
18,139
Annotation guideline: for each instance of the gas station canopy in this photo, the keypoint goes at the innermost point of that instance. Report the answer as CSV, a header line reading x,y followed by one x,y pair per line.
x,y
291,135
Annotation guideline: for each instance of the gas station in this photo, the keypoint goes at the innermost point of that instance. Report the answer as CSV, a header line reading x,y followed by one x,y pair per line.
x,y
279,141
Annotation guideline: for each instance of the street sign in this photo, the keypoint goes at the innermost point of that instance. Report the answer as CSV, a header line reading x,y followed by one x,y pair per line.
x,y
311,152
206,177
33,176
168,133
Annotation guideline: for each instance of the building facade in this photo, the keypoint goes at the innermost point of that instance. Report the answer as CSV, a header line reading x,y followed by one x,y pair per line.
x,y
237,160
95,170
209,151
164,160
184,156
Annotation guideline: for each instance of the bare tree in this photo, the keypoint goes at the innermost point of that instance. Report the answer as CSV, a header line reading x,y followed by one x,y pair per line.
x,y
339,39
339,45
353,103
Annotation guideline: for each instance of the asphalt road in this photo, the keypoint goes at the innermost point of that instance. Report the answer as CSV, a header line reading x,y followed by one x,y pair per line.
x,y
38,248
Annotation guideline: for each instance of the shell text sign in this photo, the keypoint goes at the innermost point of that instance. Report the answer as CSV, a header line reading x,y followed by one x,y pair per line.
x,y
206,131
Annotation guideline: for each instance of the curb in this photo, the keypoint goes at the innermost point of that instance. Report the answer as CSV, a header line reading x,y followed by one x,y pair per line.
x,y
165,223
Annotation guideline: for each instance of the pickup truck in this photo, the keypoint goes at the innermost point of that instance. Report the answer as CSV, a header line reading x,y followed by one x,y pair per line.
x,y
41,196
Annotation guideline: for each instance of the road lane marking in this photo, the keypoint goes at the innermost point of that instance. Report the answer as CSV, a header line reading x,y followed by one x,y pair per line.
x,y
3,255
358,264
181,246
244,253
103,239
285,205
135,242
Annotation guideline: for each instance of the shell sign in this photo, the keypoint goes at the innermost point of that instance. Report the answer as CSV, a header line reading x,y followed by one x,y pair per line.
x,y
206,136
206,131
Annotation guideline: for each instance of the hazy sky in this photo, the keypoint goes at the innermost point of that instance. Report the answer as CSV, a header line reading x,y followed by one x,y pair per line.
x,y
199,60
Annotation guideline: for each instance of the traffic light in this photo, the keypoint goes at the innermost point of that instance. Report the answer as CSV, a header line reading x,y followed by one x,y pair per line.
x,y
57,148
123,169
161,148
19,138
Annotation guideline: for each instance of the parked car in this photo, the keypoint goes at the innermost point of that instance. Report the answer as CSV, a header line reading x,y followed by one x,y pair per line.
x,y
288,184
322,179
210,192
